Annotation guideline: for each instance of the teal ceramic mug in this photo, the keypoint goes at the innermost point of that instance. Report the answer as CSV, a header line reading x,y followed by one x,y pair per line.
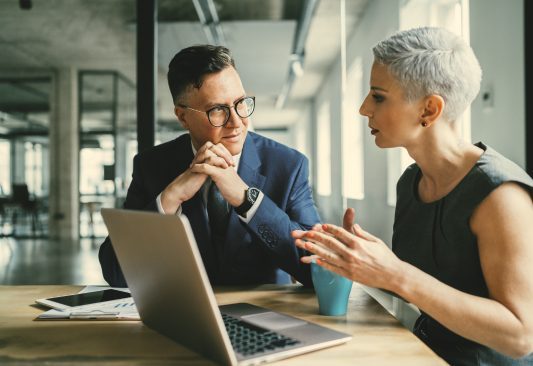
x,y
332,291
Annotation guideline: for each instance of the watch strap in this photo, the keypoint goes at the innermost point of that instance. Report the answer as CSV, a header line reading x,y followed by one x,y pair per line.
x,y
250,196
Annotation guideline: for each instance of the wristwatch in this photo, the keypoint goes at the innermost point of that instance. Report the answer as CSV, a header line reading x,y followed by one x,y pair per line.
x,y
250,196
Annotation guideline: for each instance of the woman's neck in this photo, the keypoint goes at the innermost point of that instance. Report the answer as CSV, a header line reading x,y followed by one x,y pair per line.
x,y
444,160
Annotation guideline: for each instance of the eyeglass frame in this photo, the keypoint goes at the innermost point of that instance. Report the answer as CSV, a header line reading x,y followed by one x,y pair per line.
x,y
226,107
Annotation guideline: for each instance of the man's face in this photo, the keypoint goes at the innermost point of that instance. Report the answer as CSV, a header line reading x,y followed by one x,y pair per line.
x,y
222,88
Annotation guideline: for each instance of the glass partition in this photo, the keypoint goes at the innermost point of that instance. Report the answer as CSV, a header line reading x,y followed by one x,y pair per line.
x,y
24,142
107,123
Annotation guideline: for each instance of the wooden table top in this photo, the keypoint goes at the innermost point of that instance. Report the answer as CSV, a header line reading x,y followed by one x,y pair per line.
x,y
378,338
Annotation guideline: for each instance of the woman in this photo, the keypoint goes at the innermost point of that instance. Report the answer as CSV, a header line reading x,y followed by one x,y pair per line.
x,y
462,248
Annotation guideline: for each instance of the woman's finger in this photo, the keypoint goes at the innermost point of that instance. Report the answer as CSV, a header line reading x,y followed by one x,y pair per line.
x,y
297,234
348,220
364,234
319,250
309,259
326,239
341,235
317,227
333,268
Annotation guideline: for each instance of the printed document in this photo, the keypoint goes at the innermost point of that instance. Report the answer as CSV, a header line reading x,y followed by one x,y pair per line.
x,y
123,310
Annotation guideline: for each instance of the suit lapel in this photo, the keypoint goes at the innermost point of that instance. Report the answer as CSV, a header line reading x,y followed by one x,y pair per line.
x,y
249,165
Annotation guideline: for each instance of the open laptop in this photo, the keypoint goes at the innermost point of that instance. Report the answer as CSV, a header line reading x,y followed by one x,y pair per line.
x,y
165,273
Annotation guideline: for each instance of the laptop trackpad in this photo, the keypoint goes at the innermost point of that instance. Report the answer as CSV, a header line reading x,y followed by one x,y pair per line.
x,y
273,321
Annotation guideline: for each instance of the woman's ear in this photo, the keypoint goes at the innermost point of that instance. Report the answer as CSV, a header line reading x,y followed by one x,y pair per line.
x,y
433,108
180,114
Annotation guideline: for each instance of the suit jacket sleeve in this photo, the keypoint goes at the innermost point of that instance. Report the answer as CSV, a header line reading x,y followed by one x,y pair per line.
x,y
273,226
136,199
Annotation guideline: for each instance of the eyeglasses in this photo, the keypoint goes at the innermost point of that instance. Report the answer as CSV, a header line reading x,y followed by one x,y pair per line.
x,y
218,116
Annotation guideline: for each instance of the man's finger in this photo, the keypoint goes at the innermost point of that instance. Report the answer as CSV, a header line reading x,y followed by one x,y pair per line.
x,y
201,156
204,147
205,169
217,161
220,150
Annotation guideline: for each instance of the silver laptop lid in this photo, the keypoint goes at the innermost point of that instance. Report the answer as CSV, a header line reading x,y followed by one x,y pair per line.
x,y
153,250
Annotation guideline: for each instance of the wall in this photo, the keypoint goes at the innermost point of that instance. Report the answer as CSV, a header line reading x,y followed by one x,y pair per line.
x,y
497,37
301,132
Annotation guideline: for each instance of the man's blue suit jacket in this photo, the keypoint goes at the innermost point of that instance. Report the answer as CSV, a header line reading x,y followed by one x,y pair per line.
x,y
251,252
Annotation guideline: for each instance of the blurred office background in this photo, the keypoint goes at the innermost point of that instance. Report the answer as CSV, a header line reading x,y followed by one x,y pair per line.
x,y
70,90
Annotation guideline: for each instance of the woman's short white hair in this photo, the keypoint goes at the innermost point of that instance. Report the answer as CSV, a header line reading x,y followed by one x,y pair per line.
x,y
429,61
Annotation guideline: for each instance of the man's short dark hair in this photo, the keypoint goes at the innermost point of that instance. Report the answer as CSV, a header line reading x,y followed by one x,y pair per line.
x,y
190,65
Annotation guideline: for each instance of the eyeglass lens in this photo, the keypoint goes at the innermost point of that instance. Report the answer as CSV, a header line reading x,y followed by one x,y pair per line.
x,y
219,115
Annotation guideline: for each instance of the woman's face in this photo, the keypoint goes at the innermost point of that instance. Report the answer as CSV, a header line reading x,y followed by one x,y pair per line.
x,y
393,120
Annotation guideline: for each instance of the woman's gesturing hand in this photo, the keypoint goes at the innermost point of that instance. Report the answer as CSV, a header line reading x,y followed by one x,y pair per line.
x,y
357,255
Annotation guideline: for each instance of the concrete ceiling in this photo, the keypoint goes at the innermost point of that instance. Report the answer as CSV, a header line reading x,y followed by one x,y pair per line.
x,y
94,34
101,35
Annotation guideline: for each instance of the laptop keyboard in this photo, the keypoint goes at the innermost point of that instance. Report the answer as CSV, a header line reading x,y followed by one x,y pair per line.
x,y
248,339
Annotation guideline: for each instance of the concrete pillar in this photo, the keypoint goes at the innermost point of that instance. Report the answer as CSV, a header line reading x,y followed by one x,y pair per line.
x,y
64,156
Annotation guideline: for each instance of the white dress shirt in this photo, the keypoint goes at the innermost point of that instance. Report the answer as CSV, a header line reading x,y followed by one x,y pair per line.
x,y
204,190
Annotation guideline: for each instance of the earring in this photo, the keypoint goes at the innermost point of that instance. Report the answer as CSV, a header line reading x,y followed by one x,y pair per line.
x,y
424,124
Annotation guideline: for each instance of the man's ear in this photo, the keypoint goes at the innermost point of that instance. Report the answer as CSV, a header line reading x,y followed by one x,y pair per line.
x,y
433,108
180,114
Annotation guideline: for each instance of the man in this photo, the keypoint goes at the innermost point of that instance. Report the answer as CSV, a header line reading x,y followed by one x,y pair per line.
x,y
242,193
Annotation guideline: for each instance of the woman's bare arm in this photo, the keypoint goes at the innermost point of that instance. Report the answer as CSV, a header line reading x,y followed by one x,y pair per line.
x,y
503,224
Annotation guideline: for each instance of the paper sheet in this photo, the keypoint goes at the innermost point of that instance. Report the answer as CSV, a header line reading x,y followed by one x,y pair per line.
x,y
122,310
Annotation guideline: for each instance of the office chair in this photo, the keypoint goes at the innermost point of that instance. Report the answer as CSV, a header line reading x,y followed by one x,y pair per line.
x,y
20,197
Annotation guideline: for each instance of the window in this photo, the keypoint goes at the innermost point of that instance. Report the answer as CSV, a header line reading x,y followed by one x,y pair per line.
x,y
92,162
452,15
324,151
5,166
352,134
34,168
131,151
280,134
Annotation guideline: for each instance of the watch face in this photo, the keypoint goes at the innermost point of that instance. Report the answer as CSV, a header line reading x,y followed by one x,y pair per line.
x,y
253,193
